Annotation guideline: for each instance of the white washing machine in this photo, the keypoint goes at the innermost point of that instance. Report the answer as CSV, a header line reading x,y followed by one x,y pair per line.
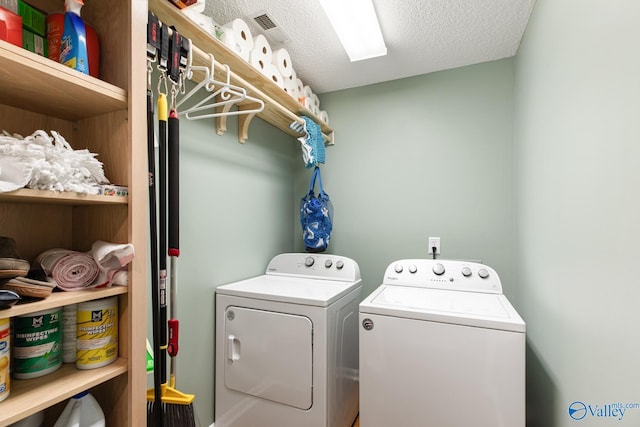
x,y
287,344
441,346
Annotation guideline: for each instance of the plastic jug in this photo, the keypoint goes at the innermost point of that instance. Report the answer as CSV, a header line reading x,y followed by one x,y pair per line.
x,y
82,411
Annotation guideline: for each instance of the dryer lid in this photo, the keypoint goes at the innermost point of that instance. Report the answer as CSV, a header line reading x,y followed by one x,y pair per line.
x,y
445,306
296,290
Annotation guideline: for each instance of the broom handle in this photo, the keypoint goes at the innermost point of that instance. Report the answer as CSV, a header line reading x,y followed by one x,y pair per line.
x,y
151,160
174,229
162,160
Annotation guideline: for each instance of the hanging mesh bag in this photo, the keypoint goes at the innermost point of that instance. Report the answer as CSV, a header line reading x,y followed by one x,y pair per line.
x,y
316,216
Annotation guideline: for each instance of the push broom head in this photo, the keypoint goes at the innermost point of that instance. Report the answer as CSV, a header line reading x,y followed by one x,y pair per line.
x,y
171,396
176,408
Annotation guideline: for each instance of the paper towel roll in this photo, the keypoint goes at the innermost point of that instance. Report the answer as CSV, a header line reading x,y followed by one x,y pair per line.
x,y
275,76
262,48
307,92
307,102
293,84
259,61
291,88
300,87
282,61
316,101
237,37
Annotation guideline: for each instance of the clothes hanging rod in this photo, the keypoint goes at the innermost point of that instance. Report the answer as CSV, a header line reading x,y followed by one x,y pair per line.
x,y
202,58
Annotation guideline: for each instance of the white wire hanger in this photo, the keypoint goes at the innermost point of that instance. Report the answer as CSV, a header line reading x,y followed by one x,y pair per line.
x,y
222,99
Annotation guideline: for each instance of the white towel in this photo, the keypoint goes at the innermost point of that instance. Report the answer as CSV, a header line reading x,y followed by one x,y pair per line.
x,y
47,163
112,260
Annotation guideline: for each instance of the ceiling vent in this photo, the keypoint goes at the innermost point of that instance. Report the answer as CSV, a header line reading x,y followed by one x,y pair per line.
x,y
269,27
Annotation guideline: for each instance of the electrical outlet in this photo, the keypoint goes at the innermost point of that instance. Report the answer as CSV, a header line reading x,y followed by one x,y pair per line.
x,y
434,242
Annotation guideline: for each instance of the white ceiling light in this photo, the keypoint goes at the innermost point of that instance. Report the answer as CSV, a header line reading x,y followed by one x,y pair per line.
x,y
357,26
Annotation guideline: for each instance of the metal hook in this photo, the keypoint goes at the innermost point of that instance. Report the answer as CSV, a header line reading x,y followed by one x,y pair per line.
x,y
163,78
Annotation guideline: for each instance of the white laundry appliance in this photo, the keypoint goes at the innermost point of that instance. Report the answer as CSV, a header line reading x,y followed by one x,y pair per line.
x,y
441,346
287,344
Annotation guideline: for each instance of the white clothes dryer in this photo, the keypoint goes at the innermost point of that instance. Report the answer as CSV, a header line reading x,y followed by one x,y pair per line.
x,y
440,345
287,344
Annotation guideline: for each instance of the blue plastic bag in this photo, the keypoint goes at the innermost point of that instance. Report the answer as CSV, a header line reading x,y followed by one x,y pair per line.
x,y
316,216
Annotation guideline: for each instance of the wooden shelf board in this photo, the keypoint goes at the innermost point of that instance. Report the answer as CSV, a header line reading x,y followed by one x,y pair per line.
x,y
28,195
59,299
30,396
41,85
280,108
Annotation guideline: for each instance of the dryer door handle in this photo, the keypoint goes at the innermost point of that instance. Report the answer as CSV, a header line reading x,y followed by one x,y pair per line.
x,y
233,348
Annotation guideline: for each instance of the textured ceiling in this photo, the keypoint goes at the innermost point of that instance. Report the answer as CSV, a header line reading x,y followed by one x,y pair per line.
x,y
422,36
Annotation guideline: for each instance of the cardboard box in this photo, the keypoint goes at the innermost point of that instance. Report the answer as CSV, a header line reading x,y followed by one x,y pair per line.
x,y
32,19
10,27
34,42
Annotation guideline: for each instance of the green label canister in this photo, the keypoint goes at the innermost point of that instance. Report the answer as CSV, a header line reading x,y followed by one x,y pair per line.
x,y
37,348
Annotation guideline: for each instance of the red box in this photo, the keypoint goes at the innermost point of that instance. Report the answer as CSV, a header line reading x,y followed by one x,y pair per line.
x,y
10,27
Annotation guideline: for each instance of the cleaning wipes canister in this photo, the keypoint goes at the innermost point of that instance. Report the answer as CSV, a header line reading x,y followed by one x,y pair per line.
x,y
69,330
97,333
37,346
5,358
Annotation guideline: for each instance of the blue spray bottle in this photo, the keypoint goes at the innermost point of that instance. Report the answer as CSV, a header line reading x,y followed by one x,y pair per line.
x,y
73,46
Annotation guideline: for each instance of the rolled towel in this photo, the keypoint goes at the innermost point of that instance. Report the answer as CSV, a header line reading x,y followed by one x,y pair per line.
x,y
70,270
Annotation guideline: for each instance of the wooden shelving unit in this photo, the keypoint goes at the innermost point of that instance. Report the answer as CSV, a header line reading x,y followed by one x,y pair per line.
x,y
280,109
27,195
107,116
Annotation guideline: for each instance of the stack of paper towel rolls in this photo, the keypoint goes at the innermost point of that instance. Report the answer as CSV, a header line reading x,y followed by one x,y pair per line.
x,y
261,55
236,35
276,65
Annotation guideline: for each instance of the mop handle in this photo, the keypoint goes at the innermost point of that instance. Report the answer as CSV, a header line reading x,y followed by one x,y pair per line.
x,y
174,224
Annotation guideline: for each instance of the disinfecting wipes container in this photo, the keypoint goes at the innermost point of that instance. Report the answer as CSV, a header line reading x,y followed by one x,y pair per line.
x,y
36,344
69,330
97,333
4,358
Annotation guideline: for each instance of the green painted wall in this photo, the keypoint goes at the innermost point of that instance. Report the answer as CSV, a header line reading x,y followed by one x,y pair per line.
x,y
235,215
576,169
418,157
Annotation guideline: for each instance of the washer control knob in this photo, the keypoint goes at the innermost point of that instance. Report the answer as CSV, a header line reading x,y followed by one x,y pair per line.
x,y
339,265
483,273
466,271
328,263
398,268
309,261
413,269
438,269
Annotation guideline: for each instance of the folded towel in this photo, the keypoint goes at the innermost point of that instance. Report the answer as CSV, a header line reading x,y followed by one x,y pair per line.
x,y
112,260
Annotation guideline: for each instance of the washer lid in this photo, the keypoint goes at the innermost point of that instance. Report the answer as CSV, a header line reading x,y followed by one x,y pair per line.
x,y
294,290
446,306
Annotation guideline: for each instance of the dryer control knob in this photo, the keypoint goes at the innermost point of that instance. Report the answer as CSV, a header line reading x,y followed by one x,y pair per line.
x,y
413,269
483,273
466,271
339,265
309,261
398,268
328,263
438,269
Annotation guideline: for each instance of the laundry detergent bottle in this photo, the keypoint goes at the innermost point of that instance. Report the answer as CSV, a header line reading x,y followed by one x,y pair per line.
x,y
73,46
82,410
